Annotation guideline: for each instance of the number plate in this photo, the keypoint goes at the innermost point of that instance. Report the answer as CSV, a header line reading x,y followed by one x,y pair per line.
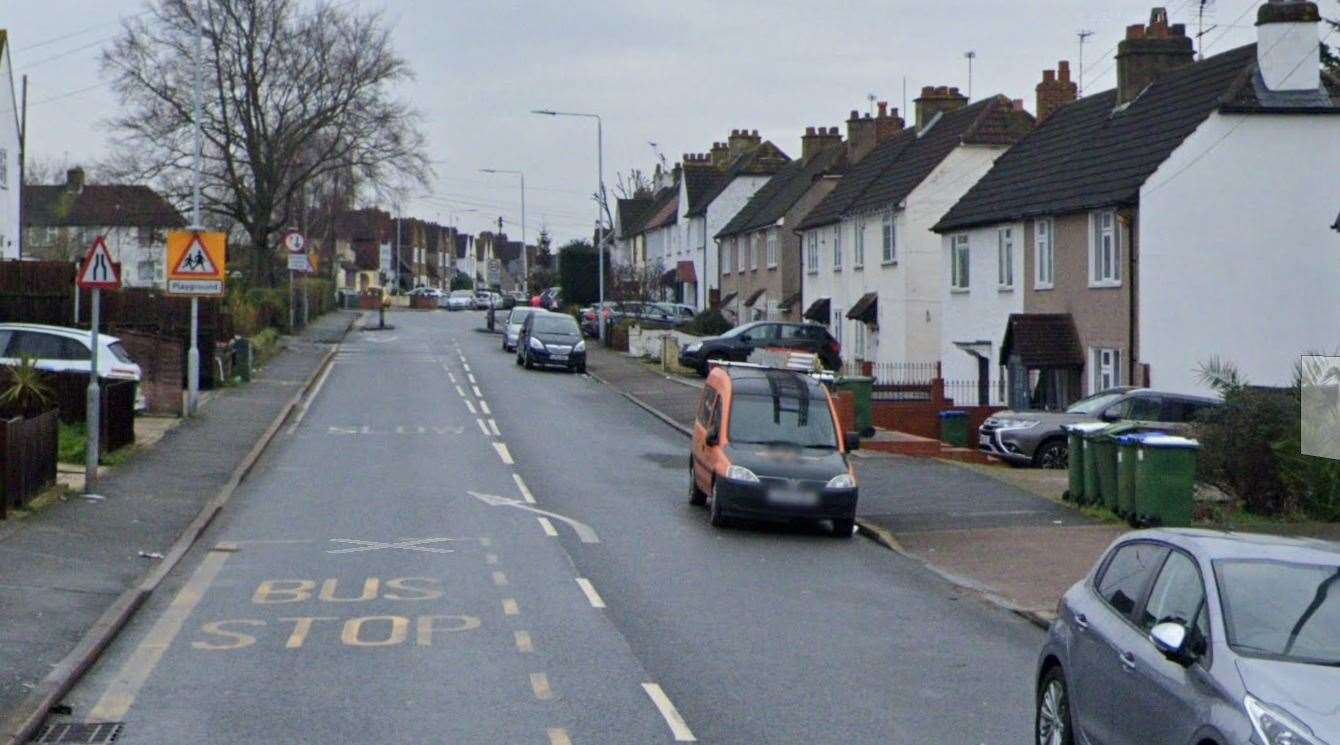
x,y
559,357
794,498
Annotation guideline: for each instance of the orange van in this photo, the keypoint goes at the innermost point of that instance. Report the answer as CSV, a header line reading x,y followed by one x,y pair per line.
x,y
768,444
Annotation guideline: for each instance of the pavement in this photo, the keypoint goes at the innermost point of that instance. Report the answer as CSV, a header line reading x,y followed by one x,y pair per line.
x,y
64,566
984,528
446,547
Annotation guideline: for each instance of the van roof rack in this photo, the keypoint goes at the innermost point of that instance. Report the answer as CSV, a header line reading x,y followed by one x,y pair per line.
x,y
822,376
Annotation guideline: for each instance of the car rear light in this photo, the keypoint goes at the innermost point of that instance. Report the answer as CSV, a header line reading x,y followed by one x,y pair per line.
x,y
121,372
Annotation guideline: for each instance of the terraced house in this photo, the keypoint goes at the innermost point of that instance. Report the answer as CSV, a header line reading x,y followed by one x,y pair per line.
x,y
872,266
1106,247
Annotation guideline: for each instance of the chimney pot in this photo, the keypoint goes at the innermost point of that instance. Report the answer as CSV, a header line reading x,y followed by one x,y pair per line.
x,y
883,109
1048,76
809,131
927,91
854,115
1018,104
1063,70
1148,53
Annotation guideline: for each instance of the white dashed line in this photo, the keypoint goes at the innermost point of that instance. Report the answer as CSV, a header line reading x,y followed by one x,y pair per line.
x,y
471,377
589,590
478,393
559,736
539,684
521,485
494,426
460,391
469,406
482,428
523,643
669,713
500,579
464,366
451,377
485,406
548,527
503,453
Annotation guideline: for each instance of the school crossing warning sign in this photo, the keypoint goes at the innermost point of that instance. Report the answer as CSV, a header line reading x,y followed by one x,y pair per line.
x,y
195,262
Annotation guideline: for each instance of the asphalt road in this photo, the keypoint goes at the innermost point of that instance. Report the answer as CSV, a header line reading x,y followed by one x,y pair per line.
x,y
385,577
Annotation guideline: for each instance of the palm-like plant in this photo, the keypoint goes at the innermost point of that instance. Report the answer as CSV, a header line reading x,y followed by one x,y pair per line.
x,y
27,392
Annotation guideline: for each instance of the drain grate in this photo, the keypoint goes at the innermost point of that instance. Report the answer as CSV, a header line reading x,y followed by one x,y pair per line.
x,y
90,733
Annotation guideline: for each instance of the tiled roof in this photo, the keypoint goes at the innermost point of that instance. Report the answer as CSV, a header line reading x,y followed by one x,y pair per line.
x,y
97,205
664,211
857,179
1089,155
1042,340
765,160
632,213
699,181
770,203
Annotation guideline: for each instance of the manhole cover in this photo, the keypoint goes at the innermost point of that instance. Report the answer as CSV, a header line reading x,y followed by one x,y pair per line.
x,y
97,733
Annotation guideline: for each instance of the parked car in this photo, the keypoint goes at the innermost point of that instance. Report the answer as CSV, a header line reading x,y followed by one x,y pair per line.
x,y
61,349
741,341
485,299
513,328
588,323
678,312
1036,438
461,300
548,338
551,299
1196,636
644,314
767,443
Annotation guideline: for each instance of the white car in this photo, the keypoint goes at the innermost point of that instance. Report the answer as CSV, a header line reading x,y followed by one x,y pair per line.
x,y
61,349
460,300
485,299
513,328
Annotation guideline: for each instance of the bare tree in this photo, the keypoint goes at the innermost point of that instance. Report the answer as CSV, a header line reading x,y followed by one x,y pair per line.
x,y
294,93
633,184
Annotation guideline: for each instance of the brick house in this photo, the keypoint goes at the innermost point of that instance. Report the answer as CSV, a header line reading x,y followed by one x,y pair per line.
x,y
362,248
1140,231
61,221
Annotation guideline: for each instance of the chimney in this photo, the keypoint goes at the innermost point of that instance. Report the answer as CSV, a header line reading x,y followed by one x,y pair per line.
x,y
1287,44
74,179
1149,52
720,155
934,100
865,132
1055,90
742,141
697,160
816,140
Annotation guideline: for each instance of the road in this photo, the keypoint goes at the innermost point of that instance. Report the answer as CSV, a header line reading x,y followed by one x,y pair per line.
x,y
447,548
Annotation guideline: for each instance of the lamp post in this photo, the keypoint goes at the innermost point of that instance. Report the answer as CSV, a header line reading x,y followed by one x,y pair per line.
x,y
525,268
600,222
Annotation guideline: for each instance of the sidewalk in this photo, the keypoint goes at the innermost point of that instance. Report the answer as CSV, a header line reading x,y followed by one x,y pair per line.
x,y
969,524
63,566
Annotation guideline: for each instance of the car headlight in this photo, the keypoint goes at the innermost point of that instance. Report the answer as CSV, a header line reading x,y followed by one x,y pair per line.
x,y
581,346
1275,727
693,347
740,473
1016,423
536,344
842,481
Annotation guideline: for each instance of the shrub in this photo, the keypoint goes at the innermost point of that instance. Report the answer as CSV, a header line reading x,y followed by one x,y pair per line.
x,y
462,282
707,323
26,391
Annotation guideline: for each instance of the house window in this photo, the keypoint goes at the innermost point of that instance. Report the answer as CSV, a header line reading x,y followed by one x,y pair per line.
x,y
727,248
1106,369
1105,249
741,246
837,246
773,315
959,262
754,250
858,245
772,248
858,340
1005,258
1044,253
812,251
889,247
838,315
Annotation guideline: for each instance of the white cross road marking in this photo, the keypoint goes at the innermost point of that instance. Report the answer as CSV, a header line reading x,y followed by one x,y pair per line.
x,y
415,545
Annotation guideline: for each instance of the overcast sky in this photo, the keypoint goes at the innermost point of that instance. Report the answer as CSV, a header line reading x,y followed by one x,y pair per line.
x,y
681,74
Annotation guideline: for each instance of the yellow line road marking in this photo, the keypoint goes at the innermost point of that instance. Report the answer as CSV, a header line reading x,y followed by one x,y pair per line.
x,y
493,425
482,428
470,406
510,608
548,527
120,694
499,579
525,493
539,683
558,736
589,590
669,713
484,406
503,453
523,643
478,393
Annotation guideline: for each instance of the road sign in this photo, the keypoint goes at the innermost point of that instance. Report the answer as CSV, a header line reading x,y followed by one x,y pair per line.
x,y
294,242
99,272
300,263
196,262
493,272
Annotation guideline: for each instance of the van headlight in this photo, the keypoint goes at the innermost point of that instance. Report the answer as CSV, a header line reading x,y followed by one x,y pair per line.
x,y
1275,727
842,481
740,473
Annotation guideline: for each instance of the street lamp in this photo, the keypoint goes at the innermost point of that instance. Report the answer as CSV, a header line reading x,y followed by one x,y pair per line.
x,y
525,269
600,224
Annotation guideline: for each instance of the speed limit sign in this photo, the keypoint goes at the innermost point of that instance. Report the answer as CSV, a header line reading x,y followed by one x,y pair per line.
x,y
294,242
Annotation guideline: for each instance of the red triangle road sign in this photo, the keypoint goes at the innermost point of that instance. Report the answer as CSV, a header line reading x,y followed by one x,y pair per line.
x,y
98,271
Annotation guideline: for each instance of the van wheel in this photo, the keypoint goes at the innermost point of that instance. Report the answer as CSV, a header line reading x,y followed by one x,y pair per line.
x,y
843,528
697,497
714,514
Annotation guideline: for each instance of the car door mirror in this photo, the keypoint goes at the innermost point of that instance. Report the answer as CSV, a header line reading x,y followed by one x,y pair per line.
x,y
745,338
1111,415
1169,638
852,441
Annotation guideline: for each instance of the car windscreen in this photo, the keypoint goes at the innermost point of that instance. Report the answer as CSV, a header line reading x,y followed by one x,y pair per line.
x,y
1281,610
555,325
784,420
738,330
1095,404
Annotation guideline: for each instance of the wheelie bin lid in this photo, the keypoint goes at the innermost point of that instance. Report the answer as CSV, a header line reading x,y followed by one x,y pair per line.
x,y
1170,441
1135,438
952,414
1083,428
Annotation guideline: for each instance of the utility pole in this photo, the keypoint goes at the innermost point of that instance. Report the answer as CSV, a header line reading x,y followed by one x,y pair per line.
x,y
23,157
1084,35
970,55
193,356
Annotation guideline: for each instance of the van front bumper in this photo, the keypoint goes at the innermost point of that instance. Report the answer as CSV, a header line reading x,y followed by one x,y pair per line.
x,y
775,499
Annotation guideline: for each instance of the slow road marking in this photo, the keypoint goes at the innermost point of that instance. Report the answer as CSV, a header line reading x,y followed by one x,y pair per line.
x,y
589,590
678,727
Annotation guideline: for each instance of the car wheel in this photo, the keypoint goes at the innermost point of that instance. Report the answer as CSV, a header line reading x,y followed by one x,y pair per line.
x,y
530,365
1054,454
715,516
1053,715
843,528
697,497
580,369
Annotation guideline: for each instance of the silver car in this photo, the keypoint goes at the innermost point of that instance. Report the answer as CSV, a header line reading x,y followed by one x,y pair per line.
x,y
1197,637
513,328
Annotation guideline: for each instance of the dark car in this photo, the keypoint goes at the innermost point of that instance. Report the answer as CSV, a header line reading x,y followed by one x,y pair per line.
x,y
1196,637
737,344
767,443
643,314
551,339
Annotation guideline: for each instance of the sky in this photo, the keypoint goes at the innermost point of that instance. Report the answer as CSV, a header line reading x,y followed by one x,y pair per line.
x,y
679,74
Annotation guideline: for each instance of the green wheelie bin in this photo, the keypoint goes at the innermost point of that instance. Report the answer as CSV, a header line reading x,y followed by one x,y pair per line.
x,y
1128,452
862,392
954,428
1165,480
1075,458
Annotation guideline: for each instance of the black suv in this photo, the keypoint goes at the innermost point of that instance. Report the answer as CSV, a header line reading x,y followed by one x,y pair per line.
x,y
737,344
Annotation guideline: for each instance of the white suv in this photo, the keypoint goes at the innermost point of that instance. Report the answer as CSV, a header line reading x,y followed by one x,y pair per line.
x,y
61,349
